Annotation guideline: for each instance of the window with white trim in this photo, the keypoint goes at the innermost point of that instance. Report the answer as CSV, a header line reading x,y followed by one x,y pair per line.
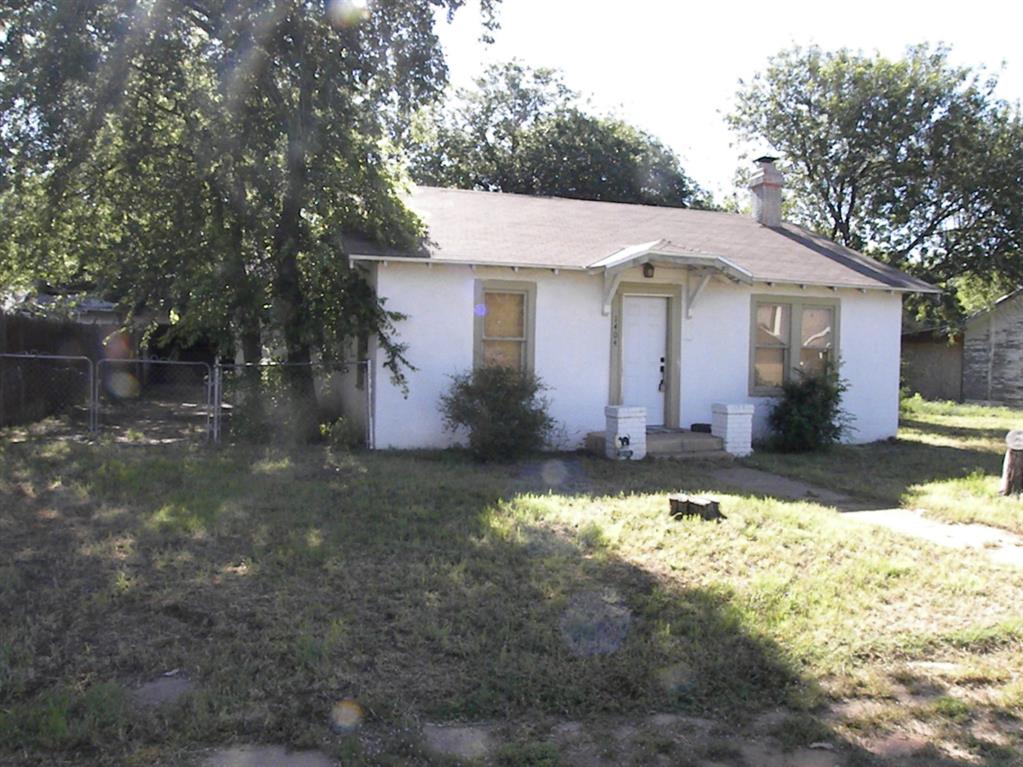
x,y
791,336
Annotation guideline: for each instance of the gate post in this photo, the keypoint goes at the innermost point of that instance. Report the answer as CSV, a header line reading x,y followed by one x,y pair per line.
x,y
217,394
92,397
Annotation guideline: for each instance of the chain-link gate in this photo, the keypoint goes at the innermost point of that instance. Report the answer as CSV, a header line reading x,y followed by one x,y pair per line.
x,y
154,400
51,388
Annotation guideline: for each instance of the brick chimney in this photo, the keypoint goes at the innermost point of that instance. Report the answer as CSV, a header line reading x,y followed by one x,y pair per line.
x,y
766,191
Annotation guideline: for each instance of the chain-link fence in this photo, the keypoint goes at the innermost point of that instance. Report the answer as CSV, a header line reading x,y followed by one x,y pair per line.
x,y
154,400
273,402
51,388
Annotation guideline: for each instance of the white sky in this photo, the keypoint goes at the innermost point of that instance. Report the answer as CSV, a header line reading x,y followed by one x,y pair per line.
x,y
671,67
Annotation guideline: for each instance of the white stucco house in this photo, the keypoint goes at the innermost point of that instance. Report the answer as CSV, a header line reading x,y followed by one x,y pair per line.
x,y
667,309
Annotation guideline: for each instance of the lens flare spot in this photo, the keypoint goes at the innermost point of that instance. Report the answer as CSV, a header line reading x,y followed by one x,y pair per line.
x,y
595,623
346,716
119,346
676,679
347,13
480,310
554,472
123,385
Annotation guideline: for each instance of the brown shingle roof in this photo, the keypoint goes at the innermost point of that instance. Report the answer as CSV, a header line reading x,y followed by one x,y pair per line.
x,y
517,230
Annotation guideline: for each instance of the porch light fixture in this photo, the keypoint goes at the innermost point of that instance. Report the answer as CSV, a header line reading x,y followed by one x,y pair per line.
x,y
648,270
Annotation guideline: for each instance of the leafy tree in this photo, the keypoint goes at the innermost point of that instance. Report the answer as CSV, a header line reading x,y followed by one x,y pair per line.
x,y
912,160
523,130
203,158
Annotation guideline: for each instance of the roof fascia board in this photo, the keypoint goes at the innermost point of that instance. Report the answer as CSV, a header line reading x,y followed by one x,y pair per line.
x,y
464,262
716,262
998,302
848,286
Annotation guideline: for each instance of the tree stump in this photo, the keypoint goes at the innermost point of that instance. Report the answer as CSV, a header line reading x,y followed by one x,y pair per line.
x,y
694,506
1012,469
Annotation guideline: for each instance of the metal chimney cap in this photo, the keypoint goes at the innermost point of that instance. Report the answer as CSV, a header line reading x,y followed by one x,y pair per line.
x,y
765,158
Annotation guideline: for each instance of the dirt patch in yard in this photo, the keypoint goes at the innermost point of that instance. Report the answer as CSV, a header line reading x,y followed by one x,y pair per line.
x,y
164,691
464,743
266,756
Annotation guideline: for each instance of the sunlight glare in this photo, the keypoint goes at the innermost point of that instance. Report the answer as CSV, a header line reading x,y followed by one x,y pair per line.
x,y
595,622
123,385
346,716
554,472
347,13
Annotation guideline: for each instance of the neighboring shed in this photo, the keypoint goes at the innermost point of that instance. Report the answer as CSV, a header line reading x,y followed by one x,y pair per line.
x,y
932,364
993,353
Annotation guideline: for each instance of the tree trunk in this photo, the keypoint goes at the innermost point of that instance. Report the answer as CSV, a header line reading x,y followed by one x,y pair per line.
x,y
1012,473
290,301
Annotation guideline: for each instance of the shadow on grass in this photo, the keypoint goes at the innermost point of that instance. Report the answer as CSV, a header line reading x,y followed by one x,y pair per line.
x,y
280,583
883,471
995,435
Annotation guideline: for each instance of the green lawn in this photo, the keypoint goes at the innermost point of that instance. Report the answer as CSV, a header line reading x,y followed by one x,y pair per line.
x,y
947,460
432,589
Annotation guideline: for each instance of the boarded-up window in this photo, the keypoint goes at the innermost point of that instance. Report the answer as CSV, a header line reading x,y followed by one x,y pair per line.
x,y
504,323
504,329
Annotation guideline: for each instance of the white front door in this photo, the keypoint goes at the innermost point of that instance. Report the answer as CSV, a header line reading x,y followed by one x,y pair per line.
x,y
644,354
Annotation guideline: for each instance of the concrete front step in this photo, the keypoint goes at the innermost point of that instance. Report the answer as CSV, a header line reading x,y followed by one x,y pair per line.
x,y
682,442
668,444
693,455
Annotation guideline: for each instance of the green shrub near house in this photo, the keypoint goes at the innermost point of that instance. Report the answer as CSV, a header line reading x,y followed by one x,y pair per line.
x,y
809,415
503,409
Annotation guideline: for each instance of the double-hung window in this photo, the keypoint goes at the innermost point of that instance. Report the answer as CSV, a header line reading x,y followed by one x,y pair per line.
x,y
791,337
504,321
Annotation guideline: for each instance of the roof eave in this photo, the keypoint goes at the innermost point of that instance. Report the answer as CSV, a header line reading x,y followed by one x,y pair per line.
x,y
923,289
716,262
463,262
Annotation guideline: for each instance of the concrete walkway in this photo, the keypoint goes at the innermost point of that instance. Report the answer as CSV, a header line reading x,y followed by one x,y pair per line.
x,y
999,545
776,486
